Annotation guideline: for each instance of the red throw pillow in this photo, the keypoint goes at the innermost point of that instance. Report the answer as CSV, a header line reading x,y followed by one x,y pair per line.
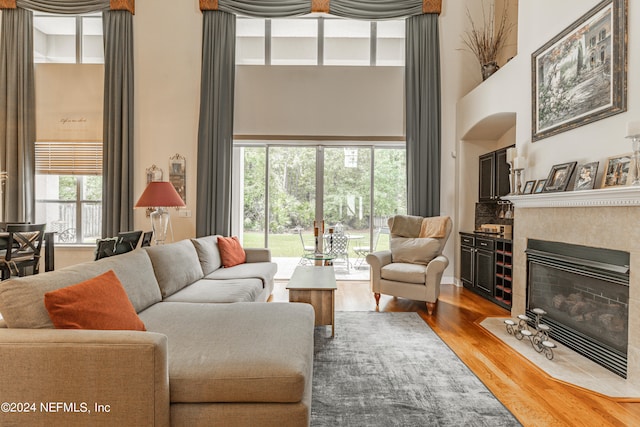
x,y
97,303
231,251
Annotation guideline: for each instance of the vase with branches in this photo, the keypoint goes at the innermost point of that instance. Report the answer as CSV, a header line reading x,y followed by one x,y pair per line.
x,y
486,41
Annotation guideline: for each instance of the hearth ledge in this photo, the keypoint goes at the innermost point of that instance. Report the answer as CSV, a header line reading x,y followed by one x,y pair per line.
x,y
614,196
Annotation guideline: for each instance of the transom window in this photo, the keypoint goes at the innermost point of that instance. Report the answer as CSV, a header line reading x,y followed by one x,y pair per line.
x,y
69,39
319,41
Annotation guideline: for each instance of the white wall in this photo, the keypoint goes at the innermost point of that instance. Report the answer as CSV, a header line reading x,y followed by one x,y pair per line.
x,y
319,101
510,90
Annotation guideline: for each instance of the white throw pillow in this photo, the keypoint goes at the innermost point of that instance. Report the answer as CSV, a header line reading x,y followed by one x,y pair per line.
x,y
414,250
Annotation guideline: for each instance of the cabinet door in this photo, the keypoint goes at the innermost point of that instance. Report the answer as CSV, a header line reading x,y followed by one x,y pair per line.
x,y
466,265
484,274
487,176
502,187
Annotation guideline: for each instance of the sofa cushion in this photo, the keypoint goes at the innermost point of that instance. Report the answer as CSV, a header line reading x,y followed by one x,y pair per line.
x,y
414,250
22,298
98,303
403,272
265,271
243,352
176,265
219,291
208,253
231,251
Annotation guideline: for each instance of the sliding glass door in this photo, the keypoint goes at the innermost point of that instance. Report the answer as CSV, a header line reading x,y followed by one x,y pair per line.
x,y
285,188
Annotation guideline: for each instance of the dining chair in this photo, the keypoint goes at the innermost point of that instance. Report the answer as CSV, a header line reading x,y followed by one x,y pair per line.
x,y
146,239
105,247
128,241
24,244
124,242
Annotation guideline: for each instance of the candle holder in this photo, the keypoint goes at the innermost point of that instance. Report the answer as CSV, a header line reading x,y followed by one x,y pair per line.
x,y
519,181
635,164
512,179
540,339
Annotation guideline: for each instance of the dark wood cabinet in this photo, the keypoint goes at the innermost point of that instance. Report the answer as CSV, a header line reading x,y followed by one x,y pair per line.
x,y
502,174
487,176
486,266
467,260
494,175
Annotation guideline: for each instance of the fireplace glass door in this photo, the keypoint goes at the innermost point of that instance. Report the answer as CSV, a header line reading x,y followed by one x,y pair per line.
x,y
592,307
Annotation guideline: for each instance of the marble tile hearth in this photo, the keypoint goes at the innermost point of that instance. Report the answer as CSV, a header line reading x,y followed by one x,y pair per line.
x,y
566,365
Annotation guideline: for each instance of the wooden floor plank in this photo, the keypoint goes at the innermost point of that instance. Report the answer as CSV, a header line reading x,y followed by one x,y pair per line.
x,y
531,395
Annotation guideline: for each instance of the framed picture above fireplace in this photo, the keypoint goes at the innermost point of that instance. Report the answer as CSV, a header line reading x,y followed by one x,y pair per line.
x,y
559,177
616,172
580,75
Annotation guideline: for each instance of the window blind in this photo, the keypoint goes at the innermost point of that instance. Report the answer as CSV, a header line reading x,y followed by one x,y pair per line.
x,y
68,158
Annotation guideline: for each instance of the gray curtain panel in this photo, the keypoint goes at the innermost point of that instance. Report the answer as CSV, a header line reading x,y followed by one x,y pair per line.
x,y
65,7
215,132
17,132
375,9
422,81
117,156
17,121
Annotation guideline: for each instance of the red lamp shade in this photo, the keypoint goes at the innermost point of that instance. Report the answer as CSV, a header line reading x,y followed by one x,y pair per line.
x,y
160,194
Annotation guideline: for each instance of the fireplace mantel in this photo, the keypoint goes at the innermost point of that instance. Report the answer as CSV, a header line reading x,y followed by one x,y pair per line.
x,y
613,196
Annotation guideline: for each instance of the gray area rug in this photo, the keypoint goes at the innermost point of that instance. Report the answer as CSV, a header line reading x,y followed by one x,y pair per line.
x,y
391,369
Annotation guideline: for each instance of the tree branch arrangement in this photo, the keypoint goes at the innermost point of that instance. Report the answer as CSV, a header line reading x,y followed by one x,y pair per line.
x,y
486,42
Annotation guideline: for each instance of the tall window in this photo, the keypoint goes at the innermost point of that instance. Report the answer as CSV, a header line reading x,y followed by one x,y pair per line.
x,y
68,51
69,190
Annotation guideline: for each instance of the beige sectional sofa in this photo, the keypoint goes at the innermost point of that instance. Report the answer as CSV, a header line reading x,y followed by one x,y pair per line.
x,y
214,353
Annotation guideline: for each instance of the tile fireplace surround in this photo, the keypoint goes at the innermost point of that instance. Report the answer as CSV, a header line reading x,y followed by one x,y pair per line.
x,y
605,218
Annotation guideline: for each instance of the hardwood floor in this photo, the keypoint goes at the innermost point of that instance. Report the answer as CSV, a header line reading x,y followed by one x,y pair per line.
x,y
529,393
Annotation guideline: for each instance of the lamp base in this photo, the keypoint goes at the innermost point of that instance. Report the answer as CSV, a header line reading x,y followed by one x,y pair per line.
x,y
159,223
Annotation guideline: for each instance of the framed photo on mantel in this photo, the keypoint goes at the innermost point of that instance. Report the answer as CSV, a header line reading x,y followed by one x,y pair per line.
x,y
580,75
559,177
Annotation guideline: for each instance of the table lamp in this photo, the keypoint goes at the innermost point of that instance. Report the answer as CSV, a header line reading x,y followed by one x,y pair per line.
x,y
160,195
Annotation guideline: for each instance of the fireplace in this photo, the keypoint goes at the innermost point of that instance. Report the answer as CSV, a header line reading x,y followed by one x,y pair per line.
x,y
585,292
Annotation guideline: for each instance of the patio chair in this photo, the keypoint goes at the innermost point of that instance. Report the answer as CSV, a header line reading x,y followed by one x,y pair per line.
x,y
306,249
338,246
364,250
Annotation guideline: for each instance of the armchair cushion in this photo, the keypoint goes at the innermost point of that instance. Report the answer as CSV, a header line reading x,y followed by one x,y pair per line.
x,y
414,250
403,272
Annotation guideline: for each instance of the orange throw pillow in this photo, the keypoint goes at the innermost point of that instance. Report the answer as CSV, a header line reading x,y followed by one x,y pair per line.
x,y
97,303
231,251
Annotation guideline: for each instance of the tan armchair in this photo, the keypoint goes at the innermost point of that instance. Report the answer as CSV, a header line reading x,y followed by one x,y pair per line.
x,y
413,267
